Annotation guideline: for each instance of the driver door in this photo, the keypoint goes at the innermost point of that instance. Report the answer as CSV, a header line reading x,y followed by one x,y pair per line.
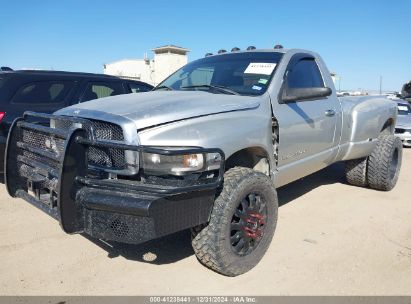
x,y
307,127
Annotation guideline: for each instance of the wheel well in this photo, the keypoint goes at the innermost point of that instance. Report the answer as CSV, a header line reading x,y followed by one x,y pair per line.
x,y
388,127
254,157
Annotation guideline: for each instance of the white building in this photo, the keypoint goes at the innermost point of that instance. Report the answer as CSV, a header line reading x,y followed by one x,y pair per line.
x,y
167,59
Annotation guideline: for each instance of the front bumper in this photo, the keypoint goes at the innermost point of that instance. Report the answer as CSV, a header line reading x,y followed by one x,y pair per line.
x,y
89,201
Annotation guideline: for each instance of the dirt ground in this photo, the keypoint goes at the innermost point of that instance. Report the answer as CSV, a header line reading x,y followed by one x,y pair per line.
x,y
331,239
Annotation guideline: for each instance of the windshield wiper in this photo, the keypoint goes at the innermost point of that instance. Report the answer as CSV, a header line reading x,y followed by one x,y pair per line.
x,y
163,87
220,88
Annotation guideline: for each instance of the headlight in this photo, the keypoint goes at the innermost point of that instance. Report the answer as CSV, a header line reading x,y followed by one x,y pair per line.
x,y
157,164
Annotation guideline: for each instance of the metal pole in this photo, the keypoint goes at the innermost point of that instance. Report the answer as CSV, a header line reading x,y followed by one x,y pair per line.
x,y
380,85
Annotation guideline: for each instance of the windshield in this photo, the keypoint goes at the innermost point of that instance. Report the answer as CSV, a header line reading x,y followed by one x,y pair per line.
x,y
404,109
232,73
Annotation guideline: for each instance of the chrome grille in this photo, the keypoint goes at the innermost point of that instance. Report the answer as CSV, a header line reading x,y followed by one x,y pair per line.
x,y
43,141
113,158
105,130
105,157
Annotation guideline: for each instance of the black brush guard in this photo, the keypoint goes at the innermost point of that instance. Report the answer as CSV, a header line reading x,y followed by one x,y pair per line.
x,y
57,179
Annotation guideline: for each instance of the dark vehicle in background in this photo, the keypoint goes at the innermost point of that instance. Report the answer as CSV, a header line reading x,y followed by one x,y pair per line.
x,y
49,91
406,91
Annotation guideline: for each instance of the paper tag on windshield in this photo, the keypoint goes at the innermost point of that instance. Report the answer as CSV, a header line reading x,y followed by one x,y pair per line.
x,y
260,68
403,108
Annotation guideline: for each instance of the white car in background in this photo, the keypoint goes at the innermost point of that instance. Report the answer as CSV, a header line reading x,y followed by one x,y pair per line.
x,y
403,126
343,94
392,96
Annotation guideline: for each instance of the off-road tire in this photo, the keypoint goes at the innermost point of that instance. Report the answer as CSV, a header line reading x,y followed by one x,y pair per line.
x,y
211,243
356,171
384,163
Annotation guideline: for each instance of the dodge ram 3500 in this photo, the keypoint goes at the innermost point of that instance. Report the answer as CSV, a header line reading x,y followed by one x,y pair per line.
x,y
205,150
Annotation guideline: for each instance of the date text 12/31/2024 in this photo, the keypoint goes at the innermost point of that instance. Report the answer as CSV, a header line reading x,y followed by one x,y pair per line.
x,y
203,299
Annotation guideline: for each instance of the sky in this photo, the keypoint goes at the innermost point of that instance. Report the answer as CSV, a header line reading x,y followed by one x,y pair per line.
x,y
359,40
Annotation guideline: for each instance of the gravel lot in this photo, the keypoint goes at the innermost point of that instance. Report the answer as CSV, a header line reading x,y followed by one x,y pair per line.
x,y
331,239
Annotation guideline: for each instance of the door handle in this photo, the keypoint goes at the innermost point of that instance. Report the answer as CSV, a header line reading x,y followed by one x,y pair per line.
x,y
329,113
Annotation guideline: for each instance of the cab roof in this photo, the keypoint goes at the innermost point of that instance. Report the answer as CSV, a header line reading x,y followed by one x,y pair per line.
x,y
281,51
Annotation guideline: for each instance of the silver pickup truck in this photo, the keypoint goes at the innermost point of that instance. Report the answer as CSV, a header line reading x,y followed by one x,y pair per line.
x,y
205,150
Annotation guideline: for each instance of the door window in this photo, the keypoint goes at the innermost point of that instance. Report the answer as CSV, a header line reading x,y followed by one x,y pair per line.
x,y
43,92
305,74
138,88
102,89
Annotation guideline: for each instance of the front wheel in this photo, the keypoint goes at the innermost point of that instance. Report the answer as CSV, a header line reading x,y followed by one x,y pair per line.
x,y
242,223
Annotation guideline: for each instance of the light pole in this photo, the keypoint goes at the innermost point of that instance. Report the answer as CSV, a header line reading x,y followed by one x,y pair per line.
x,y
380,85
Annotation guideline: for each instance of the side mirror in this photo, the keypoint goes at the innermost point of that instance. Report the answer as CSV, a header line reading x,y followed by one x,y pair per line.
x,y
290,95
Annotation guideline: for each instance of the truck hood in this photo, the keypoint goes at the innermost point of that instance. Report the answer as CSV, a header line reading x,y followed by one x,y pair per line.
x,y
159,107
